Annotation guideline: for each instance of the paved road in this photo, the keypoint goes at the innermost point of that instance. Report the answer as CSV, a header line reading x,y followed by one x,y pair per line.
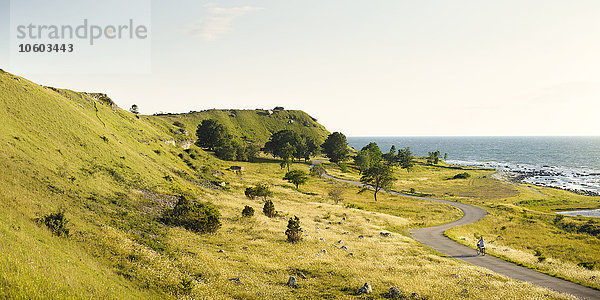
x,y
434,238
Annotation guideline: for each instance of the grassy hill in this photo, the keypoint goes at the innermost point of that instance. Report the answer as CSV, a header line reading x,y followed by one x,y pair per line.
x,y
252,125
113,174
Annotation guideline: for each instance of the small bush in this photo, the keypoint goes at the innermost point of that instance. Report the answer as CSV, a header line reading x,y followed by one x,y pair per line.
x,y
57,223
343,167
294,231
464,175
269,209
588,265
178,124
336,194
247,212
197,217
317,171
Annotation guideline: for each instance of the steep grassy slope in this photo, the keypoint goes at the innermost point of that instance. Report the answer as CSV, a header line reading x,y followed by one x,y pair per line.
x,y
252,125
114,174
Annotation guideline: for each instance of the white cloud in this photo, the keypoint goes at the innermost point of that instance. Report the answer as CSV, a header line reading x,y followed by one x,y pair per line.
x,y
219,21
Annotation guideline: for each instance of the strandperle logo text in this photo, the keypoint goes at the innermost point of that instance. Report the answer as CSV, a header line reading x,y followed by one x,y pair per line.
x,y
84,31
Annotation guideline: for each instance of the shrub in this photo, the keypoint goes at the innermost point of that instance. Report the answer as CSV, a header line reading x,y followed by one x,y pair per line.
x,y
588,265
260,190
197,217
56,222
464,175
294,231
336,194
343,167
317,170
178,124
247,212
269,209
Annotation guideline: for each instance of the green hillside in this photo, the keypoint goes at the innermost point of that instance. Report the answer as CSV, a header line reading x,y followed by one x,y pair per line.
x,y
251,125
114,174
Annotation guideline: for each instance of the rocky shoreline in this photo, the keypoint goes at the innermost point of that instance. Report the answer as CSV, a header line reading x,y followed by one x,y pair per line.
x,y
521,177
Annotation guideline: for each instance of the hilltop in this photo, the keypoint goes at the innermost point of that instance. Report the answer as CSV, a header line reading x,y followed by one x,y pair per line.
x,y
114,174
255,126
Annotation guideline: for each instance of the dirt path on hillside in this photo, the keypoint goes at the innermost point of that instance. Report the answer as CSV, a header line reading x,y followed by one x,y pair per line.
x,y
434,238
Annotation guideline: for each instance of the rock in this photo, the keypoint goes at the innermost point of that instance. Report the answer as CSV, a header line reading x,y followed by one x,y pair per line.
x,y
235,280
368,220
322,239
344,248
343,218
593,277
346,232
414,295
385,234
245,248
365,289
394,293
350,254
221,251
339,242
361,236
323,251
292,282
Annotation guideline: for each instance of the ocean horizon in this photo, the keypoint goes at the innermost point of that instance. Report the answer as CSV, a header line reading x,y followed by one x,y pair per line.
x,y
566,162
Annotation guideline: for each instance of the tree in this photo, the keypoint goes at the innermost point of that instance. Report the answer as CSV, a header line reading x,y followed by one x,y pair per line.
x,y
296,177
211,134
336,193
373,151
362,160
279,141
445,156
269,209
294,231
390,157
378,177
135,109
335,147
312,147
260,190
433,158
405,159
287,154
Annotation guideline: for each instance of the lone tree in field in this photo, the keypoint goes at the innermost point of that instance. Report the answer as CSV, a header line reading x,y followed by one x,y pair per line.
x,y
297,177
211,134
336,147
377,177
260,190
294,231
269,209
336,193
287,154
135,109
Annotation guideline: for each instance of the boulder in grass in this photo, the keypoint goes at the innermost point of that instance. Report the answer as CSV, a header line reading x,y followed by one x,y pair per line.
x,y
292,282
365,289
394,293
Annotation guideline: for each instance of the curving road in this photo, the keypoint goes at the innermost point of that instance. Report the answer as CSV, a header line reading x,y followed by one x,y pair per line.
x,y
434,238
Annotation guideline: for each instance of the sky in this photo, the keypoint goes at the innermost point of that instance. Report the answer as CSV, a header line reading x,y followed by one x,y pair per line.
x,y
365,68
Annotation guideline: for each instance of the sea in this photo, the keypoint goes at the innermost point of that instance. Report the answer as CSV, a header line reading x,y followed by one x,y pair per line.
x,y
570,163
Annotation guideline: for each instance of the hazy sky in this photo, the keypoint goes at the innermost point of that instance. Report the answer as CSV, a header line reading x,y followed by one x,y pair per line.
x,y
371,67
